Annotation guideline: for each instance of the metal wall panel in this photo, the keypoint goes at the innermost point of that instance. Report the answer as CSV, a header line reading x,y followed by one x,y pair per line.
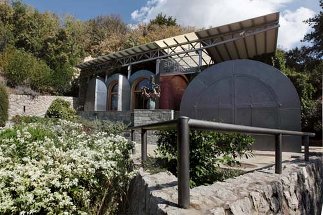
x,y
245,92
100,95
96,95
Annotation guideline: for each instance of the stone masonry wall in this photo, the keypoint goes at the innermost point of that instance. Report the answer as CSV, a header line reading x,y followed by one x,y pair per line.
x,y
120,116
298,190
142,117
34,106
135,118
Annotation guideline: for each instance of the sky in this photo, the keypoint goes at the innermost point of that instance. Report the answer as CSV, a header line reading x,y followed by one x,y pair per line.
x,y
198,13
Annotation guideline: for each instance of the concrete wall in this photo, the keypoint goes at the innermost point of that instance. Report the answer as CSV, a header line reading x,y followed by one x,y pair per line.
x,y
298,190
34,106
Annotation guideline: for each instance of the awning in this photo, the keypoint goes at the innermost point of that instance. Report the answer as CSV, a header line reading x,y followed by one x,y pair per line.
x,y
239,40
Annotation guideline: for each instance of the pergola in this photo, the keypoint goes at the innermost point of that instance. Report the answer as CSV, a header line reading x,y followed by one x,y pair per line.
x,y
240,40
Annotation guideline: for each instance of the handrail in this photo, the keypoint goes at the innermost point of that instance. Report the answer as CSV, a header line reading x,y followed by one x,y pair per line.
x,y
202,124
184,124
158,125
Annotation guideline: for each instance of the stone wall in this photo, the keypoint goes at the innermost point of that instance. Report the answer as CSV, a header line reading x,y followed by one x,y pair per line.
x,y
135,118
34,106
142,117
116,116
298,190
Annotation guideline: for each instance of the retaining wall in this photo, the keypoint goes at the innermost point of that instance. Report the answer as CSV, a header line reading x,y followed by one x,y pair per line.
x,y
34,106
298,190
142,117
135,118
117,116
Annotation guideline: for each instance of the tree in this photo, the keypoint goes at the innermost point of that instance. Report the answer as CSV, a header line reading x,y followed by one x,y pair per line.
x,y
6,35
23,69
161,19
107,34
316,36
308,90
32,28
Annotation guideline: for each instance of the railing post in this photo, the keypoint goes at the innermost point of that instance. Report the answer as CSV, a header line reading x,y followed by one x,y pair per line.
x,y
132,139
143,145
305,140
183,153
278,153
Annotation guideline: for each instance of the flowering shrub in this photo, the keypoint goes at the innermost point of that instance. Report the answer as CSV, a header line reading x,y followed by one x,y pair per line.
x,y
57,168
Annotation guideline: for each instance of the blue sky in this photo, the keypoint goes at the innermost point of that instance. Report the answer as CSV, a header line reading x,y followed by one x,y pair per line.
x,y
86,9
198,13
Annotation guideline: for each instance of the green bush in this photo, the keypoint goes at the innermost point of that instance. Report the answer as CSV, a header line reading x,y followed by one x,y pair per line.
x,y
61,109
4,105
103,126
18,119
208,150
22,68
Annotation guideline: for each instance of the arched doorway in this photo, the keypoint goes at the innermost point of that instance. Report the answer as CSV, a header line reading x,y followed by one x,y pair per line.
x,y
118,93
139,102
138,80
113,96
172,90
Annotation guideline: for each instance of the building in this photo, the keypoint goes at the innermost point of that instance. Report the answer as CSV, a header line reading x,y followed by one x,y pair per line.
x,y
242,91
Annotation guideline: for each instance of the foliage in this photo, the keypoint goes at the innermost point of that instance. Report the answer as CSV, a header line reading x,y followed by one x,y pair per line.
x,y
4,105
107,34
18,119
308,85
207,151
107,126
142,34
316,36
61,109
55,43
312,117
22,68
161,19
57,168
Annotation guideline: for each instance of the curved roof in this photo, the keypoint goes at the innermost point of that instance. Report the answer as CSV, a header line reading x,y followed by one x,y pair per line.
x,y
240,40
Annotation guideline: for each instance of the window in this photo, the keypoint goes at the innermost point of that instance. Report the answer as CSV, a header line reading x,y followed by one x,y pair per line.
x,y
113,101
139,101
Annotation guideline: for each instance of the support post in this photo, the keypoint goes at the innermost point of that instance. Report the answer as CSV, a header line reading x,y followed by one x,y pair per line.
x,y
129,71
278,153
132,133
200,59
157,66
143,145
157,80
183,152
305,140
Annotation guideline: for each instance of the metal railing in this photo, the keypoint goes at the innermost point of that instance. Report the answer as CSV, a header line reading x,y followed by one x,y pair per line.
x,y
184,124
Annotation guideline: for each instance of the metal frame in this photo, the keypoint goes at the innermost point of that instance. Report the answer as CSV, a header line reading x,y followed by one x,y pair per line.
x,y
195,46
184,124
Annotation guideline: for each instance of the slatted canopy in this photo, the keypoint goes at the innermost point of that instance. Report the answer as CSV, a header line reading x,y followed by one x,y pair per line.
x,y
240,40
